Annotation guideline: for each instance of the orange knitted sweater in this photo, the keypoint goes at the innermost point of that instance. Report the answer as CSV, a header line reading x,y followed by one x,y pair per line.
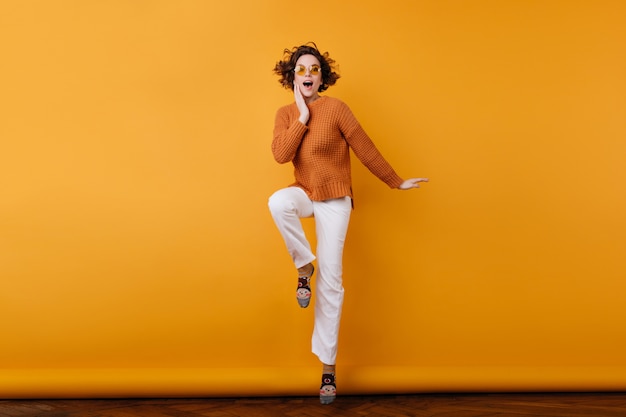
x,y
320,151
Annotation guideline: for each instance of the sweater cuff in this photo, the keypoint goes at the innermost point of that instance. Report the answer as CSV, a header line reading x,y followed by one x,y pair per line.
x,y
395,181
300,128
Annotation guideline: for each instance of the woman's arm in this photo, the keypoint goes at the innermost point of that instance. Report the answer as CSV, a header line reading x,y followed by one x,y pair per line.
x,y
365,149
288,133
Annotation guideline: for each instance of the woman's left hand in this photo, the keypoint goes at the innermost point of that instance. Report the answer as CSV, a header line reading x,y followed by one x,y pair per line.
x,y
412,183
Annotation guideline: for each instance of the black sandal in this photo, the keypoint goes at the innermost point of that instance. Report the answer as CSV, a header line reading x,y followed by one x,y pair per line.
x,y
328,390
303,293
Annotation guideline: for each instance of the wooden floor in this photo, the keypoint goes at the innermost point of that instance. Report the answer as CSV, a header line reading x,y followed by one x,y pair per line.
x,y
439,405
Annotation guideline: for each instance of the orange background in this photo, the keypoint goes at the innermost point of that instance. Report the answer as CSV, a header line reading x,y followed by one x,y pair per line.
x,y
137,254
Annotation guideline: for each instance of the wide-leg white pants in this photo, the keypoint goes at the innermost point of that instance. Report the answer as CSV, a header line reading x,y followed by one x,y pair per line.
x,y
288,206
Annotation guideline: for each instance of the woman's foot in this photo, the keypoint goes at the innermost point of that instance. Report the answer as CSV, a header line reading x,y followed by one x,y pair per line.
x,y
303,293
328,390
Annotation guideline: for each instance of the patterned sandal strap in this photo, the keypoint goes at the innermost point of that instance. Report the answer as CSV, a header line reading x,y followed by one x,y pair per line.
x,y
304,282
329,379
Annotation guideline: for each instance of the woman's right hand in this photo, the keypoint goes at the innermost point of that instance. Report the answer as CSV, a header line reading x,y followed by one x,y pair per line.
x,y
304,110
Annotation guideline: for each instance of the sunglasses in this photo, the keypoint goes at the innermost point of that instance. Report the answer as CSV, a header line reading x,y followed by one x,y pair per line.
x,y
313,69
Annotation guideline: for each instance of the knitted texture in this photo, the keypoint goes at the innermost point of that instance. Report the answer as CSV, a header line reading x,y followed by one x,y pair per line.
x,y
320,151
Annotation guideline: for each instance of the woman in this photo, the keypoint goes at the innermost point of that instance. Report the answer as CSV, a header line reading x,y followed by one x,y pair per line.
x,y
315,134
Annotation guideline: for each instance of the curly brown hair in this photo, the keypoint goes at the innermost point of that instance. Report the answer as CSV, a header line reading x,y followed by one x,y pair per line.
x,y
284,69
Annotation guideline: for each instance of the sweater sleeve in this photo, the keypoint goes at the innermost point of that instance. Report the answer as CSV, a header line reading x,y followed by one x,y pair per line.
x,y
364,149
287,136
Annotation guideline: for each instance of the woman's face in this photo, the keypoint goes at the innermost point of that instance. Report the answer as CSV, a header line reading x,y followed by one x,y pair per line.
x,y
308,76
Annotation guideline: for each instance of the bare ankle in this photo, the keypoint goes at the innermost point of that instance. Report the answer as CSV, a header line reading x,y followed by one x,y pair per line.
x,y
306,270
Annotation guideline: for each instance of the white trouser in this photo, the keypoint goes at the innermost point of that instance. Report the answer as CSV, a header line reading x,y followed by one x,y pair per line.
x,y
287,206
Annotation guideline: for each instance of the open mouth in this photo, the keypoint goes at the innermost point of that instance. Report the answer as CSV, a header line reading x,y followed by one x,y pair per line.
x,y
308,84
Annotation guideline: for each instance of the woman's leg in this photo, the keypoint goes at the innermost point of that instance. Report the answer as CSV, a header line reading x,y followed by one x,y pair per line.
x,y
287,206
331,221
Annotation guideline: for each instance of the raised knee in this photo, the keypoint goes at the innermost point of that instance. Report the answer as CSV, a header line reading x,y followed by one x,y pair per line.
x,y
277,204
